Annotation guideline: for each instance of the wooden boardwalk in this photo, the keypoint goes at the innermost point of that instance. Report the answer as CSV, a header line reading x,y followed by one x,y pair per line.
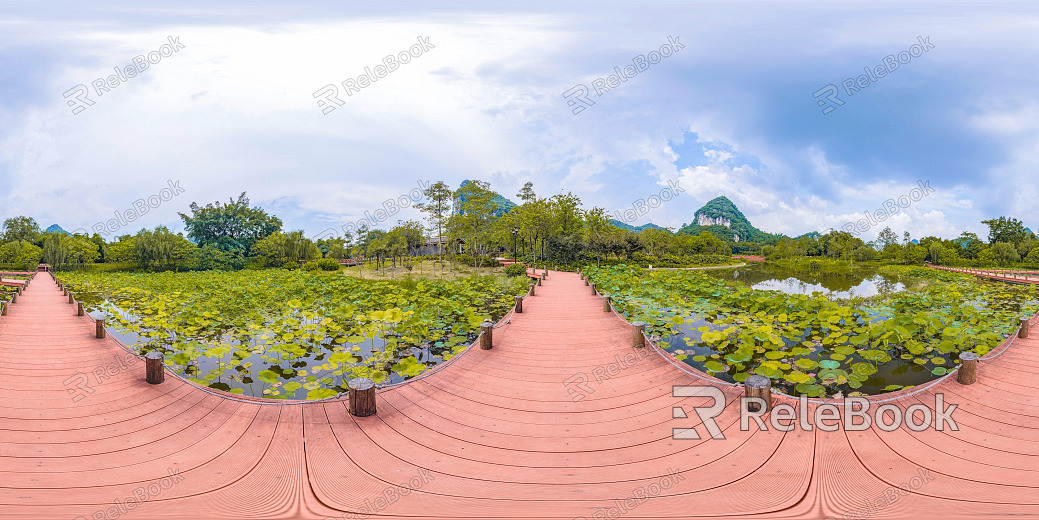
x,y
1022,277
495,434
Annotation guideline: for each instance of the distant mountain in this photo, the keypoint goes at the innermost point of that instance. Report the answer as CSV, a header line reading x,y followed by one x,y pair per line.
x,y
56,228
724,220
502,204
629,227
810,235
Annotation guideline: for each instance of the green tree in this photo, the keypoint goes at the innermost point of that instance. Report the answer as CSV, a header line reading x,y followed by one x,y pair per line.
x,y
1003,229
161,250
21,254
278,248
970,244
1005,253
474,216
21,228
438,210
232,226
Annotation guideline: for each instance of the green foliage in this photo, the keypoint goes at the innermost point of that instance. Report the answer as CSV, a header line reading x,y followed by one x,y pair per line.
x,y
327,264
231,226
783,336
516,270
16,229
293,334
20,254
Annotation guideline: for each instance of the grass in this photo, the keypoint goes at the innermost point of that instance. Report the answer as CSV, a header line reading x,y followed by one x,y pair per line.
x,y
426,269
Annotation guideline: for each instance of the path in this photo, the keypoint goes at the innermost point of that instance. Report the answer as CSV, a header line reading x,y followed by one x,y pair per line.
x,y
496,434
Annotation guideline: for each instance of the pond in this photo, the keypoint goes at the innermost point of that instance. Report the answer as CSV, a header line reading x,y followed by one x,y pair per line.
x,y
866,331
290,334
858,282
317,366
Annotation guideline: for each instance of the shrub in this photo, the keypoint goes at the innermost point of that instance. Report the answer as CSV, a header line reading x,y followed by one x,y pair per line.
x,y
516,270
310,266
481,261
290,265
327,264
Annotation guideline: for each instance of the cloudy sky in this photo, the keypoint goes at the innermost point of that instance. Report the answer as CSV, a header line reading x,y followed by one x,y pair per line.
x,y
732,111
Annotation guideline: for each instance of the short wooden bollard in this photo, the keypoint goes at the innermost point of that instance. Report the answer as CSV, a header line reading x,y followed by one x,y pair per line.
x,y
14,298
1023,331
537,281
546,273
72,298
593,289
153,370
486,338
362,397
3,308
64,291
968,371
760,387
519,305
19,290
532,289
638,334
606,303
586,282
99,329
79,309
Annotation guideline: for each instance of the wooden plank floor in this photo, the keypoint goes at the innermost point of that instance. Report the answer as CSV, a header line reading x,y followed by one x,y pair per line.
x,y
496,434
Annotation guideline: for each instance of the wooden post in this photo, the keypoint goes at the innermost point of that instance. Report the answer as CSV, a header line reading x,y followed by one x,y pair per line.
x,y
586,280
153,371
3,308
99,329
79,309
593,289
72,298
362,397
485,335
760,387
19,289
14,298
968,371
64,291
606,303
638,337
1023,331
545,275
537,281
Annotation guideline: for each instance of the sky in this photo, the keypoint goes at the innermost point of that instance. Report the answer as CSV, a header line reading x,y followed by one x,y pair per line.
x,y
488,92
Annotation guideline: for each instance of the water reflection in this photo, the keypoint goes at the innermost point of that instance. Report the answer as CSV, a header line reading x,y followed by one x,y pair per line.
x,y
860,282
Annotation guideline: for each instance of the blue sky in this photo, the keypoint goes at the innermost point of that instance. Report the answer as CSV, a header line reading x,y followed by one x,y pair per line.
x,y
732,113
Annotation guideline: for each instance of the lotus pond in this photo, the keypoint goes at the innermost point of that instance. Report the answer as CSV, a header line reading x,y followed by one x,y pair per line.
x,y
291,334
816,344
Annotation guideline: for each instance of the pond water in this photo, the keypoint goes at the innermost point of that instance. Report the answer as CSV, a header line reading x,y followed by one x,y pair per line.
x,y
238,369
813,352
860,282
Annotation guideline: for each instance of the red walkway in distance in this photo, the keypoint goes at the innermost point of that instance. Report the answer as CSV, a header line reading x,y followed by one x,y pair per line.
x,y
995,274
495,434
